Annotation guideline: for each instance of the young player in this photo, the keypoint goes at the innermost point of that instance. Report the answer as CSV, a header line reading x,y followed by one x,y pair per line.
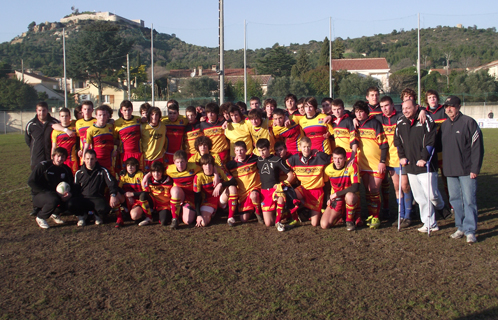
x,y
345,184
270,105
209,196
388,119
223,113
158,185
308,167
83,124
127,130
77,113
130,189
327,105
290,101
373,96
175,127
238,130
344,130
62,139
153,135
182,194
372,155
203,145
255,103
300,107
270,167
100,138
192,131
291,135
244,169
315,127
144,109
242,106
260,128
213,129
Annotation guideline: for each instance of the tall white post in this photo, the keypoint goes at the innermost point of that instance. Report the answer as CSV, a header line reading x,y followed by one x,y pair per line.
x,y
152,59
222,45
330,57
128,75
64,55
245,63
418,59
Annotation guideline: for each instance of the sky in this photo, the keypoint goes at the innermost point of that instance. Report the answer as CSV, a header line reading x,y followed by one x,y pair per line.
x,y
267,22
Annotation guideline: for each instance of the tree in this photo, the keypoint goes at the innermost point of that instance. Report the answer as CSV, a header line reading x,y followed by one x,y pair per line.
x,y
31,25
405,78
16,95
253,89
479,85
42,96
97,51
338,49
354,87
5,68
324,53
280,87
302,65
199,87
278,62
317,80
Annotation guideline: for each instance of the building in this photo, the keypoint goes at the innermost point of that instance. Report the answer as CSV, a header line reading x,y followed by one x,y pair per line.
x,y
377,68
41,83
113,93
492,68
102,16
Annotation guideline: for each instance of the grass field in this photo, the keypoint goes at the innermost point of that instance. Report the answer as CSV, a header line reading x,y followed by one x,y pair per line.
x,y
249,271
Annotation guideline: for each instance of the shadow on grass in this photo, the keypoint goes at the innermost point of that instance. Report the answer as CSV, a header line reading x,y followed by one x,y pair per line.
x,y
491,313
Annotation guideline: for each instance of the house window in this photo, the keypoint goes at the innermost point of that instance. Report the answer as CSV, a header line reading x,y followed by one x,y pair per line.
x,y
107,99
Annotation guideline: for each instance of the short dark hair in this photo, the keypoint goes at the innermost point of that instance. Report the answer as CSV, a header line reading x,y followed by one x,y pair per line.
x,y
65,110
279,112
225,107
90,151
213,108
270,101
429,93
263,143
312,101
157,166
42,104
241,105
337,103
240,144
206,159
255,114
190,109
180,154
340,151
105,108
151,111
306,140
386,98
300,101
255,98
290,96
87,103
233,108
375,89
145,107
173,106
127,104
60,151
77,111
132,161
328,99
203,140
361,105
410,92
279,144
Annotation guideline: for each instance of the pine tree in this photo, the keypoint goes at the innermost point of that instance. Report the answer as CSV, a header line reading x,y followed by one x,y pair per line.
x,y
324,53
302,65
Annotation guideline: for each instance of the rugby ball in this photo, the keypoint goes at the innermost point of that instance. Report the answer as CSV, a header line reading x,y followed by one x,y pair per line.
x,y
62,188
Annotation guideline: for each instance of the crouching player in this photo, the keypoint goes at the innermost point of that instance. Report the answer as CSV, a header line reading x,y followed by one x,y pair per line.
x,y
209,196
244,169
130,189
269,167
157,187
344,183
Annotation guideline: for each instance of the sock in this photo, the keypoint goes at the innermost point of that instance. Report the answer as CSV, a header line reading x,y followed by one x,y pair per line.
x,y
385,193
232,205
176,206
374,207
293,211
144,204
280,208
408,204
350,212
119,216
257,208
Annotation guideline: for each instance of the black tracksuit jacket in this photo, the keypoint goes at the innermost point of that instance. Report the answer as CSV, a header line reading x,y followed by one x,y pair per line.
x,y
38,137
92,183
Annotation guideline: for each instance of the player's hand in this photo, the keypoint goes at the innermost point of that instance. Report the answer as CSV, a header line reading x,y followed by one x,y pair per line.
x,y
70,133
114,202
356,123
80,153
421,163
381,167
333,196
66,196
473,175
202,119
224,126
217,190
129,194
217,179
326,135
287,123
327,119
199,222
403,161
422,116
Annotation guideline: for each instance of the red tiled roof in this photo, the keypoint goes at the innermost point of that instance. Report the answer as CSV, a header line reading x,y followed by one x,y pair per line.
x,y
443,71
360,64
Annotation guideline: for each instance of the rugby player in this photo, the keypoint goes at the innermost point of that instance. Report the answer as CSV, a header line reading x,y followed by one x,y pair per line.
x,y
316,127
192,131
153,136
175,128
127,129
157,186
238,130
64,140
213,129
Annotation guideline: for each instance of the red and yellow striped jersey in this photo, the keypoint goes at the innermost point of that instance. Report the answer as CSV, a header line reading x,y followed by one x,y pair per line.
x,y
343,178
131,183
216,133
128,132
174,133
61,139
389,125
192,132
82,126
344,133
246,173
309,171
371,139
160,191
196,157
204,183
314,129
262,132
184,179
102,140
154,141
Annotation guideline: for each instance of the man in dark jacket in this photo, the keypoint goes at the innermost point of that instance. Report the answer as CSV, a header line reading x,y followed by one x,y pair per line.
x,y
38,135
463,152
90,183
415,142
43,182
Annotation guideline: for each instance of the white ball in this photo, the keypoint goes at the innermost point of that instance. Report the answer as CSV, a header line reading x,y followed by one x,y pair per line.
x,y
62,188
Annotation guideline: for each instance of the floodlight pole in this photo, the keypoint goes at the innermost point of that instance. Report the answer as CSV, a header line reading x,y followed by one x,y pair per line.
x,y
418,59
245,63
128,75
330,56
64,54
152,59
222,45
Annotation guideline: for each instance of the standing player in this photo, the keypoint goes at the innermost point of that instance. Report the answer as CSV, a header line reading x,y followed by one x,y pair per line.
x,y
345,184
245,170
291,104
372,155
238,130
300,108
203,145
389,118
83,124
213,129
260,128
209,196
344,130
270,105
64,140
144,108
127,130
100,138
308,167
315,127
291,135
373,96
153,135
175,127
327,105
192,131
255,103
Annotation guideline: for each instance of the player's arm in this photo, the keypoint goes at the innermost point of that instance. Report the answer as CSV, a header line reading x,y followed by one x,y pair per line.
x,y
59,127
89,142
36,177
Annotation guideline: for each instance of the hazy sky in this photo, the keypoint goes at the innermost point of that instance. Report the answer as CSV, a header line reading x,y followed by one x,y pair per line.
x,y
268,22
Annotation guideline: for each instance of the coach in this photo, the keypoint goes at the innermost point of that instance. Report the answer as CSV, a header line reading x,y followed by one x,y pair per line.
x,y
463,152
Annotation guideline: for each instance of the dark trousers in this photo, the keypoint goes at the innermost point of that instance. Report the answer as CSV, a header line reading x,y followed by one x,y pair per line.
x,y
49,203
81,205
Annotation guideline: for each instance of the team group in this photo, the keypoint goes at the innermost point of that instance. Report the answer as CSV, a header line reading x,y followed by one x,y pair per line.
x,y
269,162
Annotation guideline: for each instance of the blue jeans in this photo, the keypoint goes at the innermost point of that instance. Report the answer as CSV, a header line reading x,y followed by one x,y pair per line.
x,y
462,191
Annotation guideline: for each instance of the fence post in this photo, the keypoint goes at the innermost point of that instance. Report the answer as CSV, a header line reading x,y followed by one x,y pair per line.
x,y
5,122
21,123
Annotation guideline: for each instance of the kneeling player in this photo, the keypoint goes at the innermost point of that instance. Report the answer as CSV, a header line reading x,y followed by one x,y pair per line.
x,y
158,185
345,184
244,169
209,196
130,189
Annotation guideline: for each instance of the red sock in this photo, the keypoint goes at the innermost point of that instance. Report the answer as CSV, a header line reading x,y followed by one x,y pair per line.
x,y
257,208
175,207
280,208
119,216
232,205
350,212
374,207
385,193
146,208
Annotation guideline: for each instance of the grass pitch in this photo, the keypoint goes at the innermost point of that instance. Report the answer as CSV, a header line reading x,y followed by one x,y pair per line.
x,y
248,271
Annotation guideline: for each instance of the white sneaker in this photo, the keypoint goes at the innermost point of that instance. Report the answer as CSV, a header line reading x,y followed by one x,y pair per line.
x,y
457,234
145,222
57,219
81,221
471,238
231,221
98,220
42,223
280,226
424,229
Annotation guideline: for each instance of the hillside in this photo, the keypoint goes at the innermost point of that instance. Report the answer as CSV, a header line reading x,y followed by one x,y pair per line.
x,y
41,48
